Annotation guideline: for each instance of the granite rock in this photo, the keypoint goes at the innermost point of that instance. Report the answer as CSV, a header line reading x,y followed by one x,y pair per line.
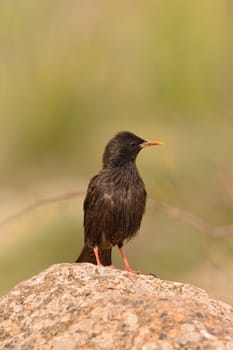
x,y
82,306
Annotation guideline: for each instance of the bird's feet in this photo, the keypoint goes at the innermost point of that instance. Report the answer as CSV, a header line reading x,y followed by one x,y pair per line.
x,y
111,266
129,269
96,252
127,266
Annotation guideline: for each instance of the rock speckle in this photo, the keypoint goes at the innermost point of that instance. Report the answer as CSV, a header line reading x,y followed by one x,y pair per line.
x,y
82,306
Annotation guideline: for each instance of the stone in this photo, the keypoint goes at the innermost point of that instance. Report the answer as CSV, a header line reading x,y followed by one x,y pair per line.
x,y
82,306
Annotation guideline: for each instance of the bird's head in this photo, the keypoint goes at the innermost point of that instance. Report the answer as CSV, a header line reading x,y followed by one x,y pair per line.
x,y
123,148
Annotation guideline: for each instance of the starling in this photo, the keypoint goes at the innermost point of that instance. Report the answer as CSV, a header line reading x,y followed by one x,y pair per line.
x,y
115,201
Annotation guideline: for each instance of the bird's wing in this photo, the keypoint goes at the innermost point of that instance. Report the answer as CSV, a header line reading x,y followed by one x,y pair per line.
x,y
99,193
97,206
112,213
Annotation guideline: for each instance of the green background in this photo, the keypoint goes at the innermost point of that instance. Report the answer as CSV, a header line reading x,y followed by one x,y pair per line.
x,y
72,74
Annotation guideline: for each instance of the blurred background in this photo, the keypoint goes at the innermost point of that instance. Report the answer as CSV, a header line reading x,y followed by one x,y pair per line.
x,y
72,74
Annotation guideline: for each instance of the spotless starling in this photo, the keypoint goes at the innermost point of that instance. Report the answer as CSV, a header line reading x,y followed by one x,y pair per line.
x,y
115,201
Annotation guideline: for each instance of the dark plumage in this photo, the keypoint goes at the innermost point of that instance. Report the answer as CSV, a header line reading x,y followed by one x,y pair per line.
x,y
115,201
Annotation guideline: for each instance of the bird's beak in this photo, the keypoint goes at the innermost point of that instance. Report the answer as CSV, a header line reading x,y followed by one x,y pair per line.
x,y
151,143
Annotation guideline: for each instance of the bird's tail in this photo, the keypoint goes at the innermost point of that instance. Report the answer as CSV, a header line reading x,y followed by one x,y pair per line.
x,y
87,255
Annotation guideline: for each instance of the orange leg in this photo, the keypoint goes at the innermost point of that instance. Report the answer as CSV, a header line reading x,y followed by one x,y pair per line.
x,y
96,251
127,266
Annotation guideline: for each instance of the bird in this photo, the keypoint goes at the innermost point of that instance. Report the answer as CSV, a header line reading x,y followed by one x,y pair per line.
x,y
115,201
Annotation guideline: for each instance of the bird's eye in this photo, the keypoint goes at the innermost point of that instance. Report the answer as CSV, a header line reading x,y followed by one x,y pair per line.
x,y
133,143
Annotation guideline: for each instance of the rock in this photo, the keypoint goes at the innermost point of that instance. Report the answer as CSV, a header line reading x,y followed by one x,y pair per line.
x,y
82,306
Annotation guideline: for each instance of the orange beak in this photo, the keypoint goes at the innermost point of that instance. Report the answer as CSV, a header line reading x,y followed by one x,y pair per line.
x,y
152,143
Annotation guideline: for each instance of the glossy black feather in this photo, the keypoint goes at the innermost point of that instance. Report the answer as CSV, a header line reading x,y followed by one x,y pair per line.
x,y
113,207
115,199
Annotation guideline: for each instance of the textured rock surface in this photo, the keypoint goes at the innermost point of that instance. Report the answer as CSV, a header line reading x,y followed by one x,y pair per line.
x,y
81,306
